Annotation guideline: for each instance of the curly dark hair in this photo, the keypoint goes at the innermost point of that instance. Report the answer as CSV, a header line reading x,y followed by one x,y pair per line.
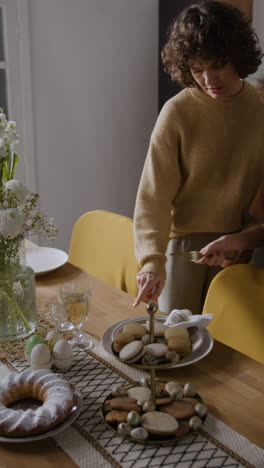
x,y
210,30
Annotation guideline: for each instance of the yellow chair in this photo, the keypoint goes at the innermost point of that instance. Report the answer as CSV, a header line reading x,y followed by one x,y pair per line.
x,y
102,244
236,298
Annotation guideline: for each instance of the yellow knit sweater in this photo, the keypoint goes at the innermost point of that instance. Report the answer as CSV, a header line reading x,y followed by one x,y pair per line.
x,y
203,168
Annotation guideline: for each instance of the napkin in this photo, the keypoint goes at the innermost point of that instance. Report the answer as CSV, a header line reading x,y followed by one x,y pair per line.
x,y
185,318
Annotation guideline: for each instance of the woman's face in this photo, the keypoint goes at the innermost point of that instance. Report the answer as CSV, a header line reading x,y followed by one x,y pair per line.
x,y
216,79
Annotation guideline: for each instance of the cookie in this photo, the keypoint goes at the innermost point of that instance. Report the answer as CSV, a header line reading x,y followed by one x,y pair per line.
x,y
156,349
132,352
120,340
159,423
191,401
163,401
141,394
179,409
183,428
116,416
124,403
135,329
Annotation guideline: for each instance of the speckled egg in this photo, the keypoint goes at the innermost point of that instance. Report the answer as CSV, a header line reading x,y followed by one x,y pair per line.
x,y
139,433
195,423
124,429
53,335
189,390
62,350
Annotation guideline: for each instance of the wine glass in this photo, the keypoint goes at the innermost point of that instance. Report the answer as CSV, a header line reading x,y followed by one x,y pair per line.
x,y
59,315
76,302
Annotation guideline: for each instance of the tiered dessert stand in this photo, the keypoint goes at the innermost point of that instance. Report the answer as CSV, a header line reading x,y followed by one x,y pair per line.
x,y
201,415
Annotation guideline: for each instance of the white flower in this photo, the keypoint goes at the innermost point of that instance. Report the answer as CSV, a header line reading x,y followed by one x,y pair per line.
x,y
3,122
18,189
3,148
11,222
10,134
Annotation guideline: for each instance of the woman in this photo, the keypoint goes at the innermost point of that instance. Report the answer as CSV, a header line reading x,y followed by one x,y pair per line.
x,y
205,157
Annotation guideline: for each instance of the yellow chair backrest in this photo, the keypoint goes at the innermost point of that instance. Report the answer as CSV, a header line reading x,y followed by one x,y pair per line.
x,y
102,244
235,298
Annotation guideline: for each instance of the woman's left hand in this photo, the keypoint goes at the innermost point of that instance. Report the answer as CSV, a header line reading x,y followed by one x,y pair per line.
x,y
225,251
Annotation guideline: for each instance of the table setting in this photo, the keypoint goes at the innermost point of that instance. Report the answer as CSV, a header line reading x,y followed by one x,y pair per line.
x,y
93,373
63,375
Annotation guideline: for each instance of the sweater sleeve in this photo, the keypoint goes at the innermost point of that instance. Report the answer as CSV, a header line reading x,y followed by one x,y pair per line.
x,y
158,188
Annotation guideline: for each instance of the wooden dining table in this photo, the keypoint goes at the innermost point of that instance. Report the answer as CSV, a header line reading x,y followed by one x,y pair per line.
x,y
230,382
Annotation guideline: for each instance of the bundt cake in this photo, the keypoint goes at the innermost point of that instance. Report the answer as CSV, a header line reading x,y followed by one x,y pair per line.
x,y
56,395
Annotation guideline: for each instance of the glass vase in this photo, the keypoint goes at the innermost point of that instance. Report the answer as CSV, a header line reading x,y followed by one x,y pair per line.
x,y
18,317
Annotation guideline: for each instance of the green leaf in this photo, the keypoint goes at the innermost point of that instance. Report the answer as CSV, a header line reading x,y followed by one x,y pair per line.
x,y
5,170
13,165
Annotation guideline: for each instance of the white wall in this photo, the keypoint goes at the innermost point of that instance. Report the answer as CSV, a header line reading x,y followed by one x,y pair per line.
x,y
95,92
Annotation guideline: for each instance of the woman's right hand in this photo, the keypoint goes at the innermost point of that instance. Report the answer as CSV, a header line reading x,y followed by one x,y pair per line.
x,y
150,286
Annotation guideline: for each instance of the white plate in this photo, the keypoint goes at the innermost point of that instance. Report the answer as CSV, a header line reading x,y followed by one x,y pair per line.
x,y
45,259
202,340
74,414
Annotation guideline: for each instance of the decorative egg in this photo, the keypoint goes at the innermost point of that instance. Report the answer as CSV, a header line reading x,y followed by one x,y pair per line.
x,y
40,355
133,418
159,391
147,360
177,394
172,356
53,335
171,386
32,341
144,382
139,433
62,350
145,339
175,390
189,390
124,429
148,406
117,391
201,410
195,423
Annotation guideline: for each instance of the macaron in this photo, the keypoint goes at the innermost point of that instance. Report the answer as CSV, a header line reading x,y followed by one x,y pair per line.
x,y
132,352
181,346
156,349
120,340
135,329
